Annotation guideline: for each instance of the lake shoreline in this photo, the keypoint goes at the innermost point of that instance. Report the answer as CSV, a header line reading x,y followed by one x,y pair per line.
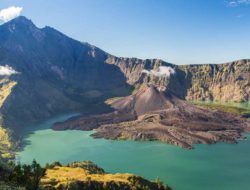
x,y
148,159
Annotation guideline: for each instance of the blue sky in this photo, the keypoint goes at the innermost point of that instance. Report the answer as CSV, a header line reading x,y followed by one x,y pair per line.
x,y
177,31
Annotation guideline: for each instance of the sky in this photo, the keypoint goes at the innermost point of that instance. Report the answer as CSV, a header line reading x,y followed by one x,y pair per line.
x,y
177,31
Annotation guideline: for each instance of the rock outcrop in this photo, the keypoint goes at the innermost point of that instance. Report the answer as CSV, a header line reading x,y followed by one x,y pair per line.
x,y
219,82
214,82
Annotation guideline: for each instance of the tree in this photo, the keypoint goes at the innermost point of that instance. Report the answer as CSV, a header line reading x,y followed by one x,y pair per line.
x,y
37,173
27,176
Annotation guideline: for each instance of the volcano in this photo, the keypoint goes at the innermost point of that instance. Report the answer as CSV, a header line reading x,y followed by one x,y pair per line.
x,y
155,113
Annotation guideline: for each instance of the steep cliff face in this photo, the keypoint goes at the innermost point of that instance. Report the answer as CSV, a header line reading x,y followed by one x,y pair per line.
x,y
132,67
215,82
139,72
221,82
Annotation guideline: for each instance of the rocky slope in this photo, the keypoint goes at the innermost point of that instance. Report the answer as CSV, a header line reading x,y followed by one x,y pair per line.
x,y
222,82
155,113
56,73
215,82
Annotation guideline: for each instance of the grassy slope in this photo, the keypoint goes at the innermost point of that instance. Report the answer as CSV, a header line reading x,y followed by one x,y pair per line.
x,y
88,175
6,87
234,109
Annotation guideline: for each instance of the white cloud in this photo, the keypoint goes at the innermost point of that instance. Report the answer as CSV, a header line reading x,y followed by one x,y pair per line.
x,y
235,3
162,71
240,16
7,71
10,13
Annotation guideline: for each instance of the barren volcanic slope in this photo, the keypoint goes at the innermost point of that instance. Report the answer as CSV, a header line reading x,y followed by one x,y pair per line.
x,y
154,113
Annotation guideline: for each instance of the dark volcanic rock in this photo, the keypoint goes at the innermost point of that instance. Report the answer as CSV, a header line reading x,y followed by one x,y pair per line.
x,y
154,113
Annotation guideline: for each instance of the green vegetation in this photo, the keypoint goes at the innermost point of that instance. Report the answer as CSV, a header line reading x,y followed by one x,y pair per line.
x,y
87,175
6,143
239,111
17,176
74,176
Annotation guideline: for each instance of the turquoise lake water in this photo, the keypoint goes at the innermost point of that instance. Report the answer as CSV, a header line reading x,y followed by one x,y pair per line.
x,y
207,167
